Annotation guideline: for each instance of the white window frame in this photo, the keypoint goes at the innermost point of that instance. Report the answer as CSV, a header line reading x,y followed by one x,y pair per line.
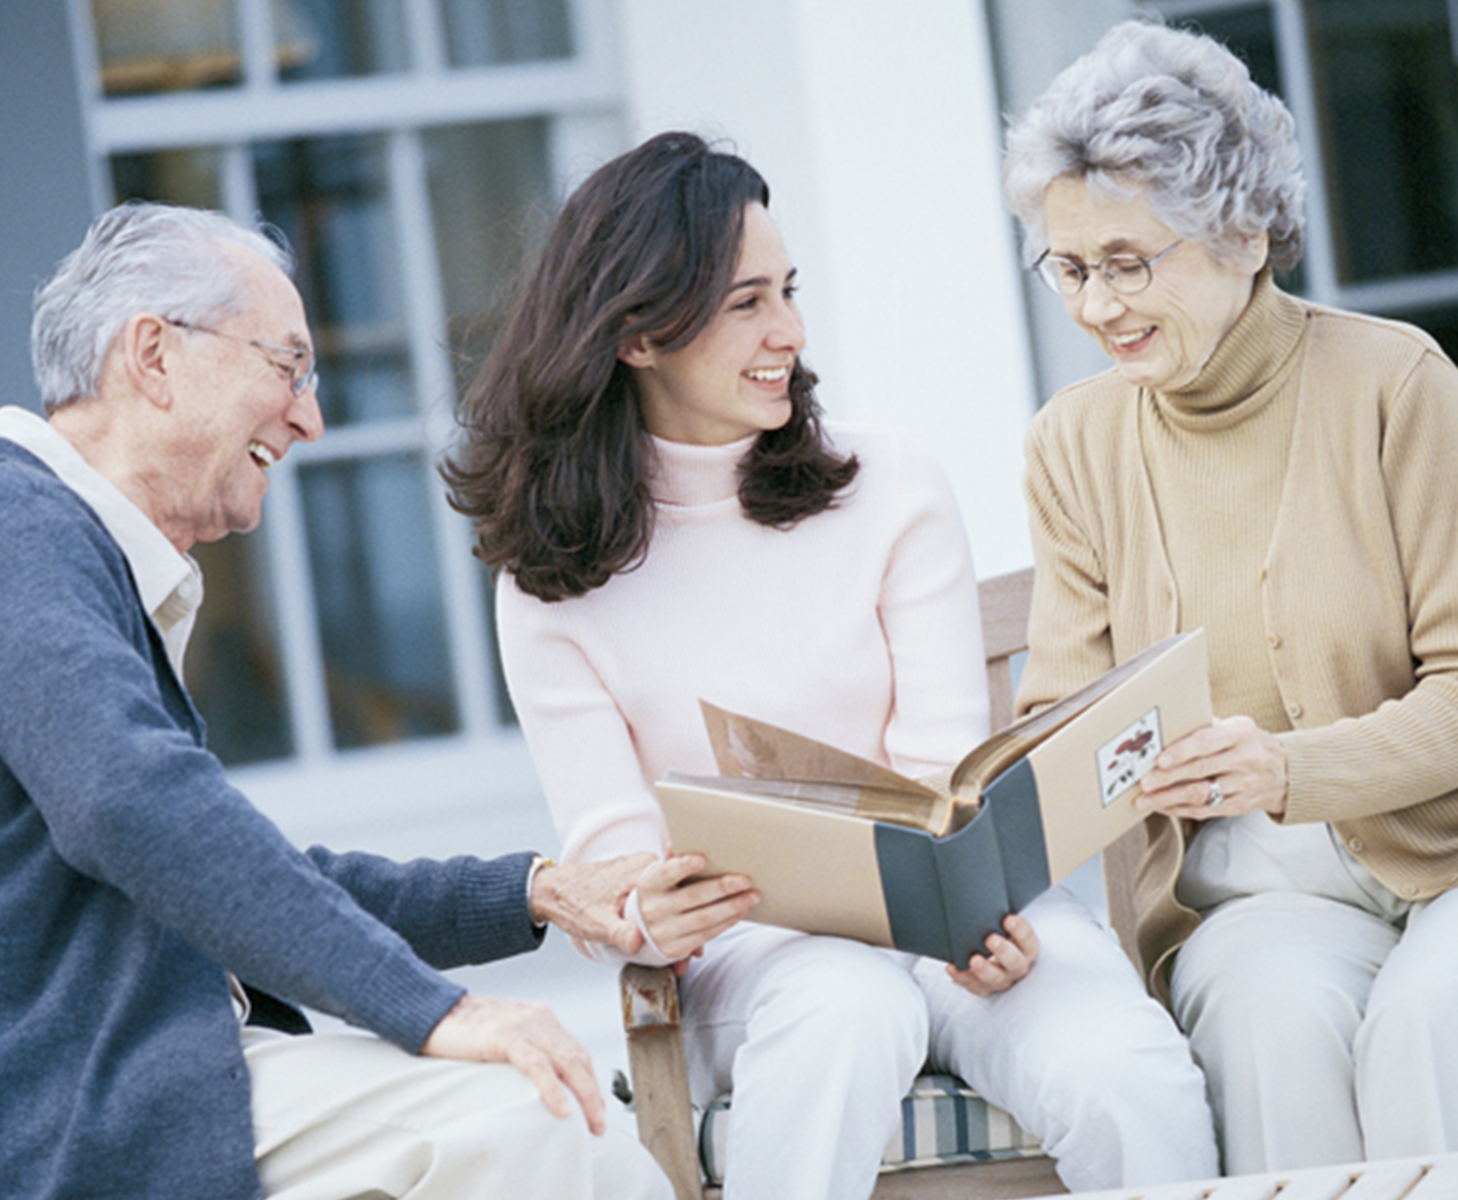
x,y
1398,295
580,98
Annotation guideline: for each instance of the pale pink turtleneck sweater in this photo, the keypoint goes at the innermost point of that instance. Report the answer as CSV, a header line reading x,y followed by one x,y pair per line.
x,y
858,627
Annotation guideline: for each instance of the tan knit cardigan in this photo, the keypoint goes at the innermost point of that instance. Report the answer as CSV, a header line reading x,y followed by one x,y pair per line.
x,y
1359,590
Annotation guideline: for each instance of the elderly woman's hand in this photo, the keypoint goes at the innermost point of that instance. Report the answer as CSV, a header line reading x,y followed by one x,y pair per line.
x,y
1229,768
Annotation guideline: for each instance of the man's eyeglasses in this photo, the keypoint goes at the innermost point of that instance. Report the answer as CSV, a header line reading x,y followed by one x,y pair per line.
x,y
301,373
1127,274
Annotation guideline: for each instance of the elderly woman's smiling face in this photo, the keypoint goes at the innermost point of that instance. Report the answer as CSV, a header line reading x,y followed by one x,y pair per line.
x,y
1162,337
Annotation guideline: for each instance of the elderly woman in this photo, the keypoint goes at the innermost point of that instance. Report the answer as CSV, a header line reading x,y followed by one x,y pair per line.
x,y
1286,476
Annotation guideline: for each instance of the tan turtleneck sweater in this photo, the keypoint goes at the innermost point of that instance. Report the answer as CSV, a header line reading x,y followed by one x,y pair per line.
x,y
1300,501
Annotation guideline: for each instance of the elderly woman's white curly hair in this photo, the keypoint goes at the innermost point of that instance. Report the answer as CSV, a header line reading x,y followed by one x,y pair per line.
x,y
1175,116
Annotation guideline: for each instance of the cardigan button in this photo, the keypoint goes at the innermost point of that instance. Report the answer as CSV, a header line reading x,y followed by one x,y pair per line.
x,y
1356,845
1293,710
1274,639
1410,890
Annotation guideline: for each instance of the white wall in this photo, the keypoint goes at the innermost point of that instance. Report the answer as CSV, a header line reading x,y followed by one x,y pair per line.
x,y
878,132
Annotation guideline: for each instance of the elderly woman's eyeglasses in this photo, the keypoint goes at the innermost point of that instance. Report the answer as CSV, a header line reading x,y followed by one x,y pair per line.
x,y
300,371
1127,274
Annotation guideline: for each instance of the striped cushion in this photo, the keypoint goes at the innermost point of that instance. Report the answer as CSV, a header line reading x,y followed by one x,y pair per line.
x,y
942,1121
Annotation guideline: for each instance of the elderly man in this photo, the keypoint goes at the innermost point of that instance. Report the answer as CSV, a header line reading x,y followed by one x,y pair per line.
x,y
148,913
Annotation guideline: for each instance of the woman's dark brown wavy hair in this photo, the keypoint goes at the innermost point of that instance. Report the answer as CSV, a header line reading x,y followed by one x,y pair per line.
x,y
551,462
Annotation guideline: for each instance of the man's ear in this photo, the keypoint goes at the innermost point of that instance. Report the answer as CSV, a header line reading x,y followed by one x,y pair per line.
x,y
145,346
638,351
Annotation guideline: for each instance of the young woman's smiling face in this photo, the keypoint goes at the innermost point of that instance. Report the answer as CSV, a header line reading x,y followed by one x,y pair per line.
x,y
1160,338
733,379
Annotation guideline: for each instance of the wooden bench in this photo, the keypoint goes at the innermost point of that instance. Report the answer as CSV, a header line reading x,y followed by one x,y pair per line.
x,y
650,995
1434,1177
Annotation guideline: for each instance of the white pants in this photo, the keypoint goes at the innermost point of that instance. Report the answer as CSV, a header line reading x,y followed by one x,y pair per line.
x,y
1328,1031
1081,1056
339,1116
821,1038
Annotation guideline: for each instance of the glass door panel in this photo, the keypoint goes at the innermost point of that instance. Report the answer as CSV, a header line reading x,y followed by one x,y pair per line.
x,y
349,38
233,664
186,176
377,591
489,32
331,198
491,202
148,46
1389,89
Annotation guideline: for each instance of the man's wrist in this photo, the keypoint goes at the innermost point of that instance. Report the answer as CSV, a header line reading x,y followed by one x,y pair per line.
x,y
538,862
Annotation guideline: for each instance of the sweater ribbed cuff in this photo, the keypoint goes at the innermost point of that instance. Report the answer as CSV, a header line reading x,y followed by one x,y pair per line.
x,y
406,1000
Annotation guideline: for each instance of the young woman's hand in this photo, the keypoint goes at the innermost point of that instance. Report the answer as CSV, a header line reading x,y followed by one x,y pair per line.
x,y
1008,960
682,913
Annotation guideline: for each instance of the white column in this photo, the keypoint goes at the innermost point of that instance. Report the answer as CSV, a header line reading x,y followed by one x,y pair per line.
x,y
878,131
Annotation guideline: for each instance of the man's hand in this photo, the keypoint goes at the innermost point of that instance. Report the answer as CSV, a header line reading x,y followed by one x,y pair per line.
x,y
586,900
529,1037
1010,958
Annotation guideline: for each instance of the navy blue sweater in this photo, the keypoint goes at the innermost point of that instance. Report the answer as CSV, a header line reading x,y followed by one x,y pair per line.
x,y
132,875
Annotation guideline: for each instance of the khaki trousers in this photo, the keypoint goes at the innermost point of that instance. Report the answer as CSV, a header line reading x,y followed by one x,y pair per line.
x,y
1326,1027
344,1116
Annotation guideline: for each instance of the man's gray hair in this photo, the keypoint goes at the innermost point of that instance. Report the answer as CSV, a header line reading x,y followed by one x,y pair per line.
x,y
136,258
1173,114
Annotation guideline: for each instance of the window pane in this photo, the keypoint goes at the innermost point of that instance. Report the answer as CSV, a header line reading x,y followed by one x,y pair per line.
x,y
176,45
233,669
349,38
166,45
1389,87
1249,31
486,32
173,176
330,197
378,595
491,201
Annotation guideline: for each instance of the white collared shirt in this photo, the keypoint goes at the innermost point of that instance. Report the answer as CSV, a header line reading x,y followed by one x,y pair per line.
x,y
170,582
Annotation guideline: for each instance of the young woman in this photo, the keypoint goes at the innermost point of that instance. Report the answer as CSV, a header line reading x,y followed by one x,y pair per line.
x,y
645,463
